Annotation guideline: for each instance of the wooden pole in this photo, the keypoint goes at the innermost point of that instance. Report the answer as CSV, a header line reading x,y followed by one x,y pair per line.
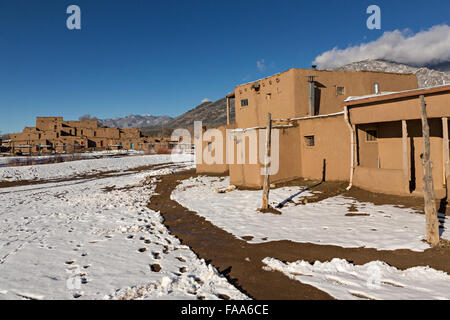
x,y
405,154
432,222
266,185
228,111
445,150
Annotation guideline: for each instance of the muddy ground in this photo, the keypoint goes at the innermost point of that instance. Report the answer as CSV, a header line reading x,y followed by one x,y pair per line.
x,y
241,262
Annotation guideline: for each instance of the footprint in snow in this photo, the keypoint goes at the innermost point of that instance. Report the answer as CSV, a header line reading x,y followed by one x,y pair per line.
x,y
183,269
77,295
156,255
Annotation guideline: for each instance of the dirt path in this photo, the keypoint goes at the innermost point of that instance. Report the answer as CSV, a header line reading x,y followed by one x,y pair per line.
x,y
241,261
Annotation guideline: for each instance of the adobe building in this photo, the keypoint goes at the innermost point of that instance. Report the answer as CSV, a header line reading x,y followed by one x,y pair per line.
x,y
387,131
315,133
53,134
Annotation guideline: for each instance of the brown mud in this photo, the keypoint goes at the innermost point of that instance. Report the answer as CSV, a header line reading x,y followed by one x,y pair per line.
x,y
241,262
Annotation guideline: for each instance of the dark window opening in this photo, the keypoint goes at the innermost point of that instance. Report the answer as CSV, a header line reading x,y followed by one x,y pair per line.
x,y
244,103
309,141
340,91
371,135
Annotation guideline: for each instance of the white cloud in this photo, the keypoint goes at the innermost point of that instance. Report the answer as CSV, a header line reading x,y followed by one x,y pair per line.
x,y
424,47
260,64
206,100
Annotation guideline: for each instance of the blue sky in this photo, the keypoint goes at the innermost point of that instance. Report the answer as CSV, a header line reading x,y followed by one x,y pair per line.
x,y
165,57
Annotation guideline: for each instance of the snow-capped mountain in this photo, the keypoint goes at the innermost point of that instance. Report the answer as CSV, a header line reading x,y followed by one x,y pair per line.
x,y
427,77
136,121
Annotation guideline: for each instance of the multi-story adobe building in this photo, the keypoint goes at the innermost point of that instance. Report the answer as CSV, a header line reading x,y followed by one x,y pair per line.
x,y
317,132
53,134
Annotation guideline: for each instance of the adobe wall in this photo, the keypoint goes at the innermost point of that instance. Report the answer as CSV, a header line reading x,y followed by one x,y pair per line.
x,y
390,181
77,134
355,83
275,95
403,109
386,152
332,143
215,168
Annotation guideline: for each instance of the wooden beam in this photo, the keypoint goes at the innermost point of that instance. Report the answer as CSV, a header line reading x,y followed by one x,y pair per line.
x,y
266,185
432,222
228,111
445,142
405,154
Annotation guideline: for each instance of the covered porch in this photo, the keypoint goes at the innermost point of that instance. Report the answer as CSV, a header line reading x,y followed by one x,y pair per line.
x,y
389,145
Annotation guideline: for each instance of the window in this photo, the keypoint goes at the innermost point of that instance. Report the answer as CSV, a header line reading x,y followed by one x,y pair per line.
x,y
309,141
340,91
371,135
244,103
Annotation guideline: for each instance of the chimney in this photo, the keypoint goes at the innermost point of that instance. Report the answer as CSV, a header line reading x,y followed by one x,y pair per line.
x,y
312,102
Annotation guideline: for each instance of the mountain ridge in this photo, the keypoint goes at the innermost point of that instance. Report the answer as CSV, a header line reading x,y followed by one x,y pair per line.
x,y
426,77
213,113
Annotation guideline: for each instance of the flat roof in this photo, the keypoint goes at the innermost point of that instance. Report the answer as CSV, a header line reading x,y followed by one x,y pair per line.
x,y
384,96
323,71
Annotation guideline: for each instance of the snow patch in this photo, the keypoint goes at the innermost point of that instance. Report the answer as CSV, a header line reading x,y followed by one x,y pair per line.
x,y
374,280
384,227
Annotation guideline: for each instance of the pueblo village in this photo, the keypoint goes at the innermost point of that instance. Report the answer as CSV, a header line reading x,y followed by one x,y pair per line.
x,y
327,179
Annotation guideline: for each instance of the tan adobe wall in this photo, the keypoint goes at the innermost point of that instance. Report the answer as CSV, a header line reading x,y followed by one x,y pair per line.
x,y
355,83
49,123
375,157
92,124
76,134
332,143
405,108
388,181
286,95
275,95
214,168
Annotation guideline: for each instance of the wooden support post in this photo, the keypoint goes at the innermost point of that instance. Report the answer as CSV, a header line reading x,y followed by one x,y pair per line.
x,y
266,185
405,154
355,146
432,222
445,150
228,111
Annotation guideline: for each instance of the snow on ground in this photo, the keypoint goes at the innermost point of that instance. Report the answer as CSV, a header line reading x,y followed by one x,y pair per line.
x,y
89,154
375,280
91,166
384,227
96,239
